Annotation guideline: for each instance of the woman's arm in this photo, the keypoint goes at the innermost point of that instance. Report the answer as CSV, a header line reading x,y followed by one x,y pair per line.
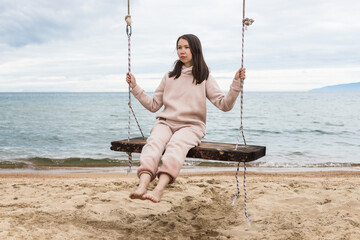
x,y
152,104
224,102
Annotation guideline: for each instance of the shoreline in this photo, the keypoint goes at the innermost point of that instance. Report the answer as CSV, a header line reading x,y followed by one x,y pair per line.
x,y
196,170
121,175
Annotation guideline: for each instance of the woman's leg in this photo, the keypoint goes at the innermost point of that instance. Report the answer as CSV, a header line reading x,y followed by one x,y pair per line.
x,y
156,194
176,150
145,179
150,156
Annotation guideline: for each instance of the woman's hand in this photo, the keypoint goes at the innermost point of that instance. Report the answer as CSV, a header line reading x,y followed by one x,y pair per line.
x,y
240,74
130,79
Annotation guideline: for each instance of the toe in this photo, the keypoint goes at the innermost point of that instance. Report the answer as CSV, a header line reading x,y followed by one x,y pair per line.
x,y
136,195
151,198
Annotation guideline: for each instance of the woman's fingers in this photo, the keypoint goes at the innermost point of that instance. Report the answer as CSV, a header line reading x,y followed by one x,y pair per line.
x,y
242,72
128,77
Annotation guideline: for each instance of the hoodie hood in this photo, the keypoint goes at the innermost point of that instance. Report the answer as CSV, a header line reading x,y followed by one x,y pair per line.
x,y
186,70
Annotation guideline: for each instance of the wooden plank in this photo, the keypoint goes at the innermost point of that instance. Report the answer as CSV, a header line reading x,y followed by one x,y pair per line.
x,y
206,150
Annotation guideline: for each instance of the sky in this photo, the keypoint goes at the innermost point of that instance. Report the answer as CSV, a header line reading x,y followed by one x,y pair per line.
x,y
81,46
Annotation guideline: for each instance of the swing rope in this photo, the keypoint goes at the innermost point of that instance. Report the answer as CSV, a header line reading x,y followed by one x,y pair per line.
x,y
245,22
128,33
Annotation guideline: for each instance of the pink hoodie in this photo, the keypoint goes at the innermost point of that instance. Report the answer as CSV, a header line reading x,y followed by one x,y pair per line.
x,y
186,102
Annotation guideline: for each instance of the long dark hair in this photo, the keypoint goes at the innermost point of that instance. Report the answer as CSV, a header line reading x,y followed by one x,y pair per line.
x,y
200,70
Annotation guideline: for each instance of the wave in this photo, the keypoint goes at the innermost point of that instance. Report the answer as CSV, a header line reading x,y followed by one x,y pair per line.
x,y
259,131
317,132
334,124
307,166
41,163
38,162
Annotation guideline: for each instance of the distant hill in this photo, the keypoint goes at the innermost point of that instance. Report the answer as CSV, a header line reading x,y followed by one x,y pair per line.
x,y
340,87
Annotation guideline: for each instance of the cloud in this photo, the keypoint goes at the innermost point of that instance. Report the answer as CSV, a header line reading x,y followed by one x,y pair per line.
x,y
40,21
289,34
77,42
31,22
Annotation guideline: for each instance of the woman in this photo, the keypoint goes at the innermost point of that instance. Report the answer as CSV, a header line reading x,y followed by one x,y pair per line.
x,y
181,125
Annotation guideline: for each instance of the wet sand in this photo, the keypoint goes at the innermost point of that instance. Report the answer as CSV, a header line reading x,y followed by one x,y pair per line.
x,y
306,205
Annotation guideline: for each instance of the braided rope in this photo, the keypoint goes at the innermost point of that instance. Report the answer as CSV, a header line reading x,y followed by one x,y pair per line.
x,y
130,163
241,129
246,22
238,192
237,185
136,121
130,108
128,33
245,197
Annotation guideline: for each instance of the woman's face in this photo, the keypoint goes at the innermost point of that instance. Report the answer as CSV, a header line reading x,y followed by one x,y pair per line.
x,y
184,53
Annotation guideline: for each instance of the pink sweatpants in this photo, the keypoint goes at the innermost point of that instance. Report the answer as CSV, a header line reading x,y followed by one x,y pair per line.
x,y
176,139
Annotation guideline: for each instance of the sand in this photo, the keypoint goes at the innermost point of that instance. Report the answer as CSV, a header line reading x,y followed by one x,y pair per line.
x,y
319,205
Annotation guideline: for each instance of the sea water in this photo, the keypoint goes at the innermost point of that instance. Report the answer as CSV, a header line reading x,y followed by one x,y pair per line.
x,y
299,129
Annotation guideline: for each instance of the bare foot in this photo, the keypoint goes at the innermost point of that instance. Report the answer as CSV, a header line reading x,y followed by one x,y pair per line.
x,y
154,196
142,188
138,193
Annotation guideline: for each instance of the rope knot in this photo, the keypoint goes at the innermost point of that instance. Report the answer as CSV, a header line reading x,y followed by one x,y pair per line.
x,y
247,22
128,20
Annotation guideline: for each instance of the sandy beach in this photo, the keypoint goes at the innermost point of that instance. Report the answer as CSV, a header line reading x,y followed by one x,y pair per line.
x,y
311,205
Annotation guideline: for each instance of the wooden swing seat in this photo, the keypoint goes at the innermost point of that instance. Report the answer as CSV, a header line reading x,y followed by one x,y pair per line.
x,y
206,150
